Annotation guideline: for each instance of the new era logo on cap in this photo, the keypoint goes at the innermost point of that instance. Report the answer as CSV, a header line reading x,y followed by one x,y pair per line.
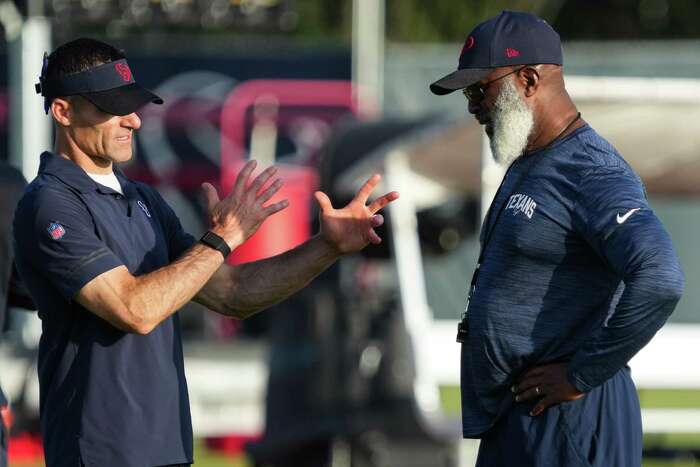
x,y
511,38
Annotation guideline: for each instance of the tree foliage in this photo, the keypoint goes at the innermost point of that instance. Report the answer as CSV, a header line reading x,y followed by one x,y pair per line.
x,y
451,20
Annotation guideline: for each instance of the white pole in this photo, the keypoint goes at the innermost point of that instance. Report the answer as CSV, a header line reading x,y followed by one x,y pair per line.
x,y
409,269
491,176
30,127
368,37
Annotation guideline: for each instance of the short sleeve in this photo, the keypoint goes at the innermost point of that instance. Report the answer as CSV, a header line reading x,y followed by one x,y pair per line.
x,y
55,235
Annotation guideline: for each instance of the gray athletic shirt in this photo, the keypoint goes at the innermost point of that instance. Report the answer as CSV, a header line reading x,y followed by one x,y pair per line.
x,y
578,269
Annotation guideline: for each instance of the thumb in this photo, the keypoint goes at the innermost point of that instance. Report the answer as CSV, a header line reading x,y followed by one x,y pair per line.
x,y
210,195
323,201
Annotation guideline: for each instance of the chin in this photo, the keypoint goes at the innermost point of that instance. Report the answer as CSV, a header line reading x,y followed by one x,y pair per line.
x,y
120,157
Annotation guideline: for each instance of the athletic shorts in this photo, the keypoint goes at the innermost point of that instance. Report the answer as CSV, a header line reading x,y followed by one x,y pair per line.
x,y
602,429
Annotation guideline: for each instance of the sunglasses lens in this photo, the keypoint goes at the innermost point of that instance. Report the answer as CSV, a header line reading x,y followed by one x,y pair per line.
x,y
474,93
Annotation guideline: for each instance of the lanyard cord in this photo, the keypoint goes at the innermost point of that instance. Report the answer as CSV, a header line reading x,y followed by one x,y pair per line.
x,y
487,219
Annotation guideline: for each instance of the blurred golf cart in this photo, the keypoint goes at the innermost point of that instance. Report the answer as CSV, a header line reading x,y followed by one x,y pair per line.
x,y
354,370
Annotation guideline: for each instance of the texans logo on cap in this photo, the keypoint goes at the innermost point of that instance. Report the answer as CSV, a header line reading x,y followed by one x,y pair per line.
x,y
56,230
123,71
468,44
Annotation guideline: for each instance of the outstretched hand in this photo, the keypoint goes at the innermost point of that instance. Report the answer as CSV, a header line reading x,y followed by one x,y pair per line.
x,y
548,384
239,215
351,228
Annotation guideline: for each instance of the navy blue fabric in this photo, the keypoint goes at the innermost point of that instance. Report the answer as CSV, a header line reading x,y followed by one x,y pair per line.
x,y
108,398
571,274
602,429
100,78
511,38
3,445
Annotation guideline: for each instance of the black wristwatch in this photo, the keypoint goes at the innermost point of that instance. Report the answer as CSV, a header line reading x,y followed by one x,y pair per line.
x,y
212,240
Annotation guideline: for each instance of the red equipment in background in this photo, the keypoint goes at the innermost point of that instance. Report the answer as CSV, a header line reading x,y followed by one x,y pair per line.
x,y
256,117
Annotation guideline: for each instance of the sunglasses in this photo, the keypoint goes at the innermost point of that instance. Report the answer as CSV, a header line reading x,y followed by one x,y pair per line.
x,y
477,92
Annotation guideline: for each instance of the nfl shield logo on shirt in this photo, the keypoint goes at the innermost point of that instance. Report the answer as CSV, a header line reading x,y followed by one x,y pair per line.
x,y
56,230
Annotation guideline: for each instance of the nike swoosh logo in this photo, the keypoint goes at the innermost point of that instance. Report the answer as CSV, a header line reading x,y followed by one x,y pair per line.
x,y
622,219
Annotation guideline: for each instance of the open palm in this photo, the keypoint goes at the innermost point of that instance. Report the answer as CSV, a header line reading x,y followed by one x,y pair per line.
x,y
351,228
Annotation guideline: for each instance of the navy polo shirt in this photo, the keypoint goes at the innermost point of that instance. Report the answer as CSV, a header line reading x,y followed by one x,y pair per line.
x,y
108,398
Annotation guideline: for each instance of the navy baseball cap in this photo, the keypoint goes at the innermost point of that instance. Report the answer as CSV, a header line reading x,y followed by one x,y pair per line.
x,y
111,87
511,38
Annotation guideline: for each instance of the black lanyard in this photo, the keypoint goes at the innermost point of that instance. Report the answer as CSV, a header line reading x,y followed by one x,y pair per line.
x,y
462,327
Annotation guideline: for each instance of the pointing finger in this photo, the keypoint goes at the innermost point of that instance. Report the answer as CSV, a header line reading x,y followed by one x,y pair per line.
x,y
381,202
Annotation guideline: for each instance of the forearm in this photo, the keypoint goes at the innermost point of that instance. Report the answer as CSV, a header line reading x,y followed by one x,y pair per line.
x,y
153,297
645,305
245,289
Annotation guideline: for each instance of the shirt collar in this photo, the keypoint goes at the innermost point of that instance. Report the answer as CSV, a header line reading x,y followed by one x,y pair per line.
x,y
72,175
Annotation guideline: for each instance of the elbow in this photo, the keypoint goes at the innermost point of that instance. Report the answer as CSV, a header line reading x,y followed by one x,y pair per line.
x,y
136,322
137,325
240,312
672,285
141,329
668,287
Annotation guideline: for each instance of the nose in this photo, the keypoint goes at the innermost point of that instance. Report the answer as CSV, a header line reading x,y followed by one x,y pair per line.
x,y
132,121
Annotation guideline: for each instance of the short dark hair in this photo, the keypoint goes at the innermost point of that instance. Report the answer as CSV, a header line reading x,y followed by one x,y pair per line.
x,y
79,55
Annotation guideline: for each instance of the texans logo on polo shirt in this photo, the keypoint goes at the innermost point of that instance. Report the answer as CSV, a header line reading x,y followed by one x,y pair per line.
x,y
143,208
56,230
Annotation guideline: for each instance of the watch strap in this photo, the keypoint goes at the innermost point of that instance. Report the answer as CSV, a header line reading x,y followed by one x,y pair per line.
x,y
212,240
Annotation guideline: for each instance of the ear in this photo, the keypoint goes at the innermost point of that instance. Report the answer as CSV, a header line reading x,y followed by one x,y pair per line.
x,y
531,80
61,111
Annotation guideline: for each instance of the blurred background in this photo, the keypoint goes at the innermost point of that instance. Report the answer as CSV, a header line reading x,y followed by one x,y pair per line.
x,y
361,368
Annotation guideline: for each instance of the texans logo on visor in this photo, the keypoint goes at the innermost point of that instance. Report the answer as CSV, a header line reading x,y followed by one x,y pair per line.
x,y
56,230
123,71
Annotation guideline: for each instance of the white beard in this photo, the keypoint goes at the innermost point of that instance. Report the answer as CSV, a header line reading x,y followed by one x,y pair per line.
x,y
512,122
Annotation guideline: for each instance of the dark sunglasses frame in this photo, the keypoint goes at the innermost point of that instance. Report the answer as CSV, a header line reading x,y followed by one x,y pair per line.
x,y
477,92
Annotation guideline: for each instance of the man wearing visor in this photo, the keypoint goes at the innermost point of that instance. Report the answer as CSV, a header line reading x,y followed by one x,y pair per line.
x,y
575,275
108,265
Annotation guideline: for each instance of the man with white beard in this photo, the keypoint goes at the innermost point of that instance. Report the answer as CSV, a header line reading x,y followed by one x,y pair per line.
x,y
575,275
